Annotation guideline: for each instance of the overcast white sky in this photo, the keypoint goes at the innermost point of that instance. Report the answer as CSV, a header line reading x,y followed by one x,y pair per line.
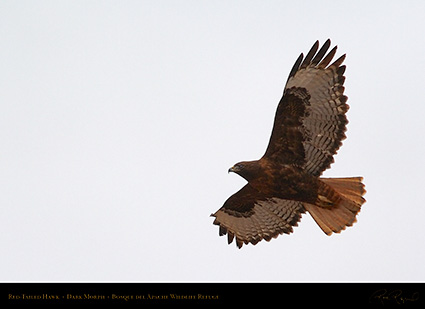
x,y
119,120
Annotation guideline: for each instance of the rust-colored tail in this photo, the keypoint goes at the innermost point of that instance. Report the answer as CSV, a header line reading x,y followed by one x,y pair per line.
x,y
334,218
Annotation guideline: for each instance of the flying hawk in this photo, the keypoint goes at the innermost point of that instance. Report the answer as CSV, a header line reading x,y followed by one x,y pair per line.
x,y
308,130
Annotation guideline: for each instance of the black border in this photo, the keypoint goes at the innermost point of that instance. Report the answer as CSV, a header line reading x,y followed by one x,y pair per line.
x,y
282,294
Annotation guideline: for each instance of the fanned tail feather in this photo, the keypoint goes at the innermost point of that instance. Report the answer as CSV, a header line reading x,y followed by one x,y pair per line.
x,y
336,218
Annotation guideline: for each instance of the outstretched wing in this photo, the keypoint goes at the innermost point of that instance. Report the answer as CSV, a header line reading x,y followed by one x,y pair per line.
x,y
250,217
310,119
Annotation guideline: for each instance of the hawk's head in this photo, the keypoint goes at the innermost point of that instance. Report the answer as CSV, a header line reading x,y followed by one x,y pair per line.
x,y
246,169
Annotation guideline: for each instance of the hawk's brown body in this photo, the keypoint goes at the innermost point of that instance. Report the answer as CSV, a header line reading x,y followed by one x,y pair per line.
x,y
286,182
308,130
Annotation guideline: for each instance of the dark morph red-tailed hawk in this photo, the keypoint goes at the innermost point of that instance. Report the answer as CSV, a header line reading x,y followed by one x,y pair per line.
x,y
308,129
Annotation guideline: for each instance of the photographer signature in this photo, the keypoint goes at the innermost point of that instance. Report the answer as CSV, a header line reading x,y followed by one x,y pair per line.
x,y
384,296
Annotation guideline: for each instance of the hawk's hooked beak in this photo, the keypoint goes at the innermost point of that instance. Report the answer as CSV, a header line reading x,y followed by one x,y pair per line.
x,y
233,169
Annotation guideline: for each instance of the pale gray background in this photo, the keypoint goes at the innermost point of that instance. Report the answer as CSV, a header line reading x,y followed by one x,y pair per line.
x,y
119,120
